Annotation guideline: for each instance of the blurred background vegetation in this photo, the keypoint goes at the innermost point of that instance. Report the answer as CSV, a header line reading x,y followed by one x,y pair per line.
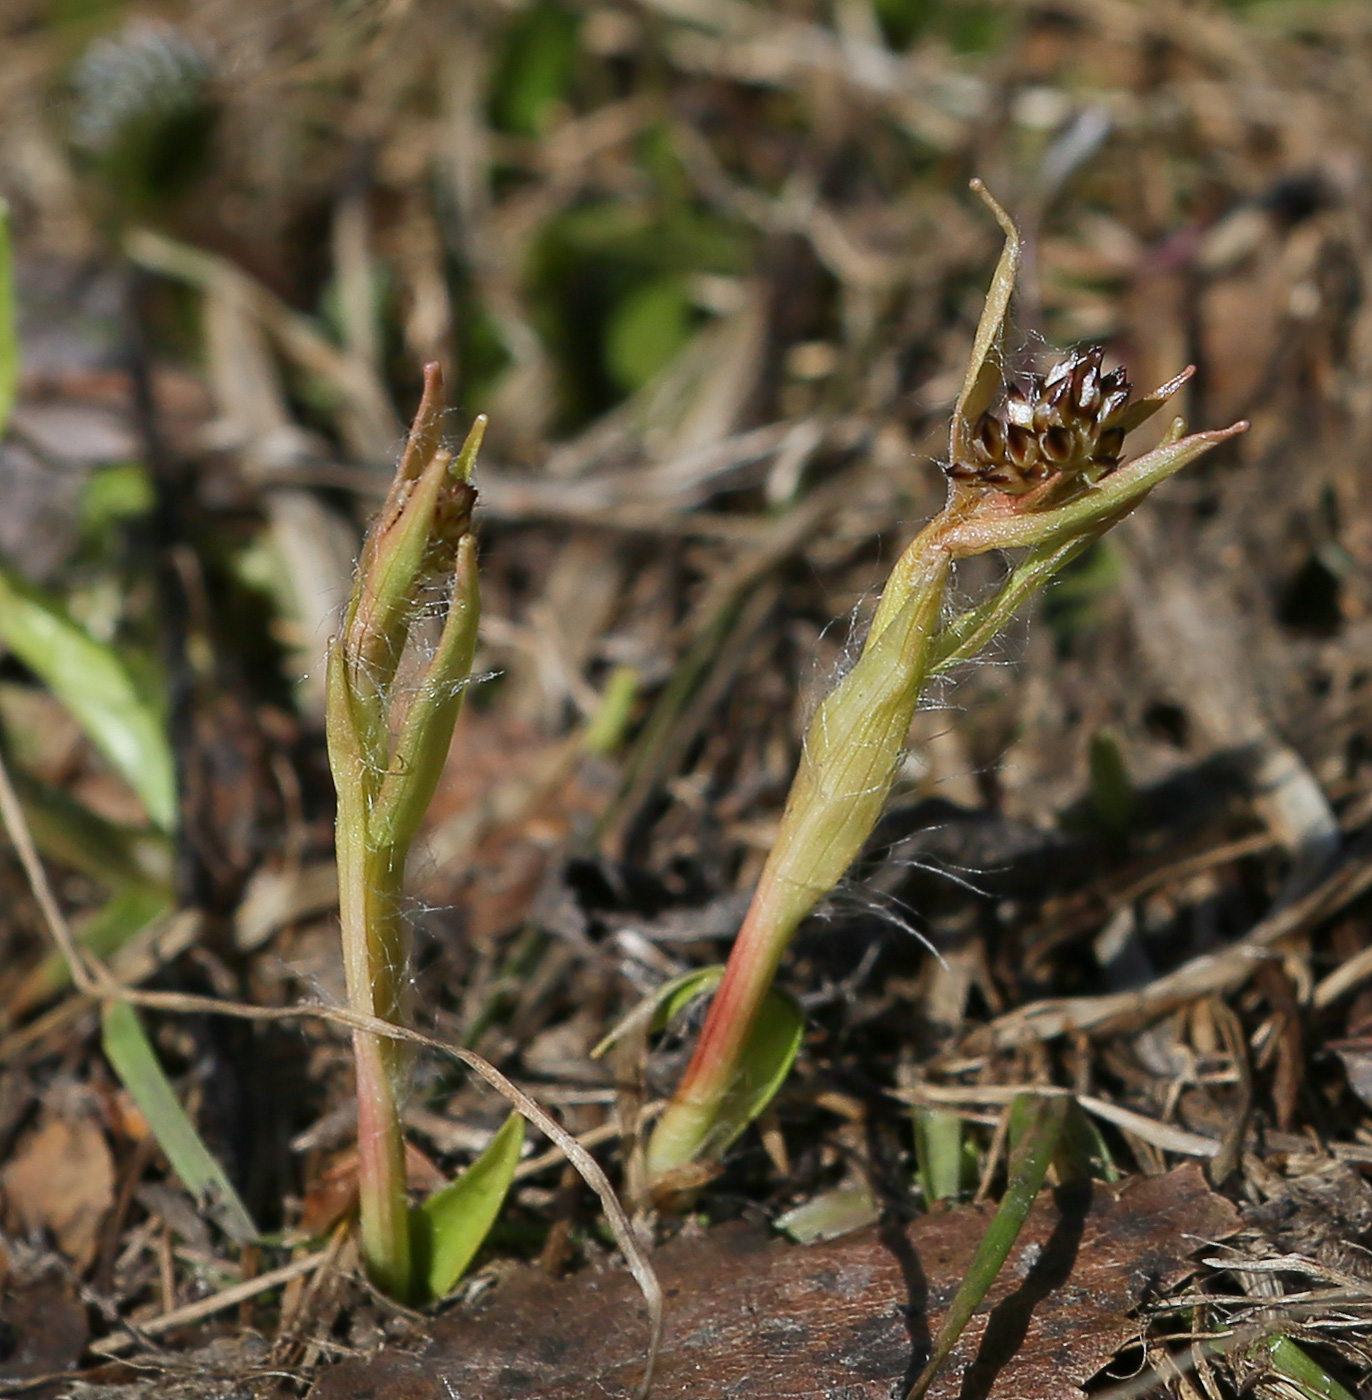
x,y
712,268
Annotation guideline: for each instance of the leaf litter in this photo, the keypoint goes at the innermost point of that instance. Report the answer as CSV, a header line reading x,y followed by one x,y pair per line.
x,y
1183,944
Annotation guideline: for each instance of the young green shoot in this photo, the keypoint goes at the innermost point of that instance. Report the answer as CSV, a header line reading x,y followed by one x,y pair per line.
x,y
387,751
1041,1122
1040,473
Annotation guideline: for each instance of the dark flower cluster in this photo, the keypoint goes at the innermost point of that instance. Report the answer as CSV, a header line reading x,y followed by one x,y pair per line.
x,y
452,520
1072,420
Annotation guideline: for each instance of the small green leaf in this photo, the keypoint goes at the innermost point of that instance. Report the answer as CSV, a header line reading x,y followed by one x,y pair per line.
x,y
9,333
1113,799
537,65
114,494
130,1052
646,332
831,1214
1039,1121
605,731
766,1061
447,1230
94,684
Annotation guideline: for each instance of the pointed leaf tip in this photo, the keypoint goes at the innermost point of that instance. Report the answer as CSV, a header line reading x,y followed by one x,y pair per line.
x,y
984,365
465,463
453,1223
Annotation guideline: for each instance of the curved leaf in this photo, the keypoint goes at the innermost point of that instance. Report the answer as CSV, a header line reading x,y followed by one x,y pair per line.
x,y
130,1051
767,1058
655,1012
93,683
448,1229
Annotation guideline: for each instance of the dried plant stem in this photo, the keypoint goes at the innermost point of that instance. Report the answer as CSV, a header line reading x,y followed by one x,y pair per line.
x,y
216,1303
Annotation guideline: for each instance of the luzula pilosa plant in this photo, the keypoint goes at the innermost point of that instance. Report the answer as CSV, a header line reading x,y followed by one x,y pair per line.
x,y
1040,474
387,750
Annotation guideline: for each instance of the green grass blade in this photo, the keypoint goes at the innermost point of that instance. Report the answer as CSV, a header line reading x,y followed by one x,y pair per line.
x,y
447,1230
135,1062
1043,1120
938,1150
93,683
123,916
1300,1369
9,331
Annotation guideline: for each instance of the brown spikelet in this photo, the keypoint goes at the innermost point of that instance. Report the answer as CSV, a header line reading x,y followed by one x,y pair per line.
x,y
1071,421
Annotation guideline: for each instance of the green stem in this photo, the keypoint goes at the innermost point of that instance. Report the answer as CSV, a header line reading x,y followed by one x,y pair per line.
x,y
375,945
382,1199
688,1129
850,757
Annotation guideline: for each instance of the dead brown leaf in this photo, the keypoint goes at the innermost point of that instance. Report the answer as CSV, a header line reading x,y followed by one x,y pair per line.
x,y
850,1318
62,1181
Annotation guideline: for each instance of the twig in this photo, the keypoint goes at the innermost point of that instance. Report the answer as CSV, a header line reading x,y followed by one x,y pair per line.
x,y
1161,1135
1343,979
90,977
207,1307
1202,976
